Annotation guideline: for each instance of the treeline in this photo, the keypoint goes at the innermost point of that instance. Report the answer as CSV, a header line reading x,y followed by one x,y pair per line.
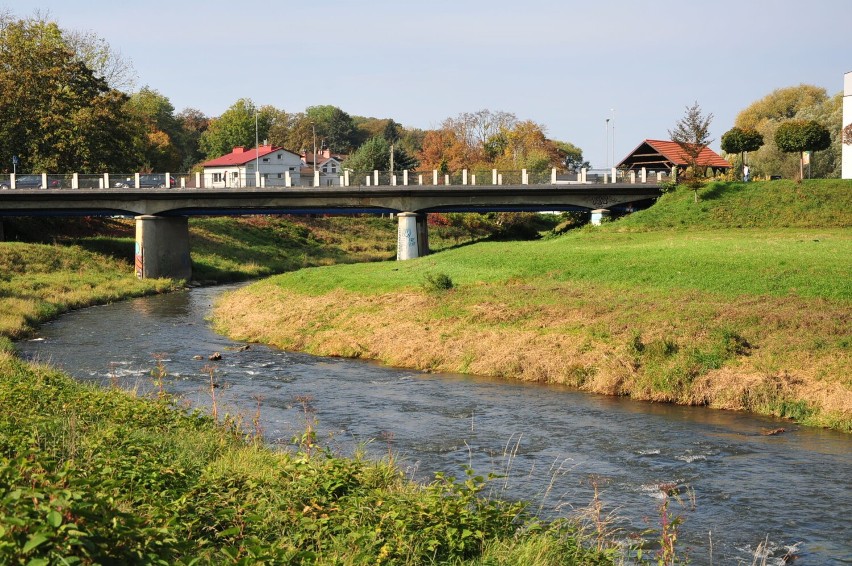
x,y
67,104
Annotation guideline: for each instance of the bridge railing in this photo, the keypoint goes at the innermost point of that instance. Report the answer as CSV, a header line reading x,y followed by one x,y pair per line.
x,y
284,180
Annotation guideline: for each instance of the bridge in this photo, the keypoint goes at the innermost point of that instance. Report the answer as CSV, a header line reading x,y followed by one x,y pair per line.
x,y
162,230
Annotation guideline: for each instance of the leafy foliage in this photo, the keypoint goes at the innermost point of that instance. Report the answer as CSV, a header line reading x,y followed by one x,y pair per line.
x,y
800,136
55,113
692,135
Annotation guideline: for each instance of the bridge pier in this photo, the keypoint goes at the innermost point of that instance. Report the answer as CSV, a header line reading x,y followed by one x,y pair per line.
x,y
412,236
162,247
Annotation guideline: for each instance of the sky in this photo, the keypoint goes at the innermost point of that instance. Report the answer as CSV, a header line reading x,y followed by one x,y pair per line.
x,y
567,65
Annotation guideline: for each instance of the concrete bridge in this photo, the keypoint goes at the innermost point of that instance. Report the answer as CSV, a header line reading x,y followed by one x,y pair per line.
x,y
162,231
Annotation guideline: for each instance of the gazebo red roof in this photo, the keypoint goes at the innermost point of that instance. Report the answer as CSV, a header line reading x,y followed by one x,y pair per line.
x,y
664,154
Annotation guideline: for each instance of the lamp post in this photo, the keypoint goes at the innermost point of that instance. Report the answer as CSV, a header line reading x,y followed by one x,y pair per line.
x,y
314,130
606,148
256,153
613,135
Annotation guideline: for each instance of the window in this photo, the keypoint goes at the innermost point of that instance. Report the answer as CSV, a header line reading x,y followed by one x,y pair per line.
x,y
325,169
292,168
279,175
279,156
333,169
266,160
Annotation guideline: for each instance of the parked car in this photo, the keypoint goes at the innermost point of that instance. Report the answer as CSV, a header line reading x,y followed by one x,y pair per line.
x,y
147,181
29,182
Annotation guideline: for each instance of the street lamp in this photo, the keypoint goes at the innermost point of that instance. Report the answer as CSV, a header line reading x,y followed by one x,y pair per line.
x,y
606,148
314,129
256,153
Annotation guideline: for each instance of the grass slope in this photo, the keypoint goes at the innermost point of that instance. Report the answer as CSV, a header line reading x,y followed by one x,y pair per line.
x,y
740,301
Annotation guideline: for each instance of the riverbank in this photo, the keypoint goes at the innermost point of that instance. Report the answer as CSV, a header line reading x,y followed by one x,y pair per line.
x,y
740,302
105,476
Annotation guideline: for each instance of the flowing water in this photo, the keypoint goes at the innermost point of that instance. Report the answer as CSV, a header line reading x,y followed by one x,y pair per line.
x,y
791,492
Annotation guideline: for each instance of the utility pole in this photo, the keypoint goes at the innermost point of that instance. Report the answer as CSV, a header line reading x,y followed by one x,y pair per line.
x,y
391,161
606,148
256,152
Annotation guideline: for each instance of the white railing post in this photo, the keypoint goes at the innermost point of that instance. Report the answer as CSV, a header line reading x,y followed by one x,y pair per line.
x,y
182,182
435,177
473,180
197,180
494,176
257,179
446,180
553,176
583,172
659,176
376,177
136,180
499,178
464,176
346,177
106,181
606,177
644,175
316,178
288,180
632,177
44,180
613,172
524,179
75,181
393,180
405,177
420,179
368,180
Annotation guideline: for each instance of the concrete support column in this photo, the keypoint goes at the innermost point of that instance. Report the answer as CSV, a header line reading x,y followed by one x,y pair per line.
x,y
422,235
493,176
162,247
376,177
598,215
197,180
75,181
435,177
406,243
553,176
106,181
464,176
525,180
583,175
405,177
644,175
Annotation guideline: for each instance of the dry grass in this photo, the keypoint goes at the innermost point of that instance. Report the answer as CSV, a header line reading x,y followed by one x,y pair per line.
x,y
770,355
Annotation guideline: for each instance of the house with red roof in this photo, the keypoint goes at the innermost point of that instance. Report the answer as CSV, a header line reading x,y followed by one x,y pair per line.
x,y
328,165
237,169
662,155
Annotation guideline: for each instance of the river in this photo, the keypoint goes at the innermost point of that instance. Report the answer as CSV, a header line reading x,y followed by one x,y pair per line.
x,y
740,488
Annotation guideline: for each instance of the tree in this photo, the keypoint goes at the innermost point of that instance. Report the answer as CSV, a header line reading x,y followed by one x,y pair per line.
x,y
235,127
334,127
193,123
737,140
162,147
571,156
801,136
56,114
692,134
374,155
802,102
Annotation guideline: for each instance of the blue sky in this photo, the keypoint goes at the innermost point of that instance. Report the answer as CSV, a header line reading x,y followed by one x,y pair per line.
x,y
567,65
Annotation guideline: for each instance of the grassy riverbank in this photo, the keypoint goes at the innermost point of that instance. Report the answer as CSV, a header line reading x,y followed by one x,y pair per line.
x,y
740,301
101,476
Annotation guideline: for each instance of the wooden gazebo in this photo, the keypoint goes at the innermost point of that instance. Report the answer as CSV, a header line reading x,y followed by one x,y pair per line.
x,y
660,155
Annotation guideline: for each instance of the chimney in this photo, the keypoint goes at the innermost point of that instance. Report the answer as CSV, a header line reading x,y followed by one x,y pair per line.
x,y
239,149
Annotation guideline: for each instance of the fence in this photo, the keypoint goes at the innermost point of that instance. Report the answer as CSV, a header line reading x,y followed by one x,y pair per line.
x,y
237,180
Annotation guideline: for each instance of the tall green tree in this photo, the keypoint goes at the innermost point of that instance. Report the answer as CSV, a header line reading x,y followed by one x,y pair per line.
x,y
799,136
235,127
334,128
193,123
162,141
56,114
737,140
692,135
374,155
801,102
